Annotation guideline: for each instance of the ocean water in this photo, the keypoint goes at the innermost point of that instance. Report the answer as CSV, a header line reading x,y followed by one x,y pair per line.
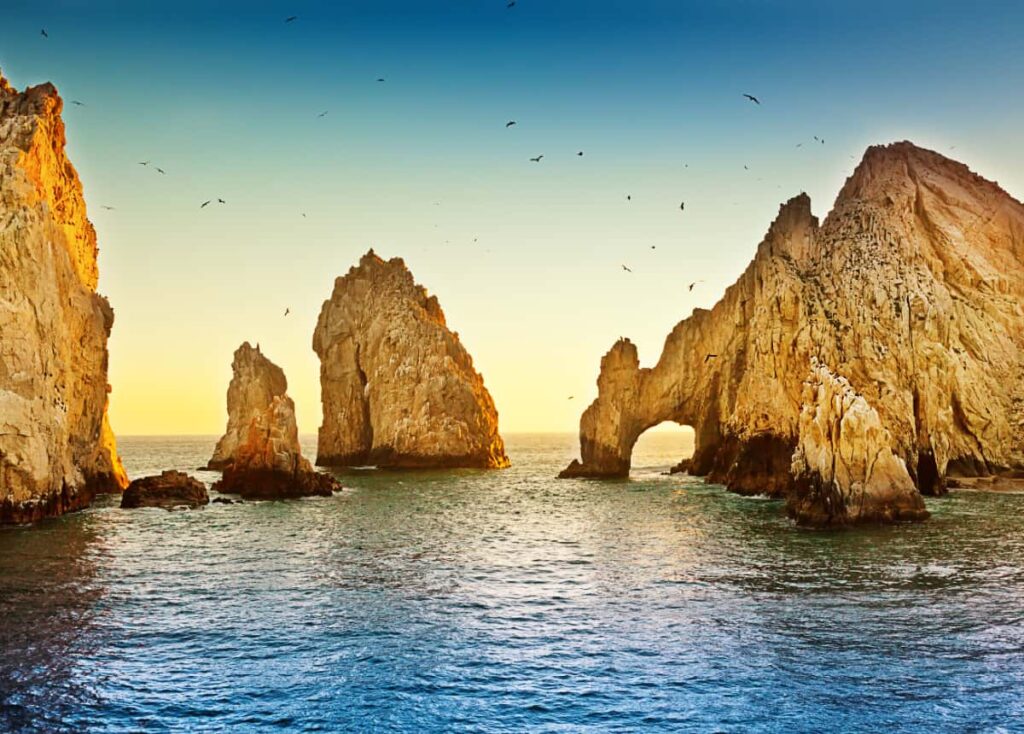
x,y
459,601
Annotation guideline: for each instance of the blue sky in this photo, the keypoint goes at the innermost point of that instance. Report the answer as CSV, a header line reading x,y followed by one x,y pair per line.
x,y
525,258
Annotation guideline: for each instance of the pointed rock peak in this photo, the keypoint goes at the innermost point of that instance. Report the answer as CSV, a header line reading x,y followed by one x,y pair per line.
x,y
792,231
5,86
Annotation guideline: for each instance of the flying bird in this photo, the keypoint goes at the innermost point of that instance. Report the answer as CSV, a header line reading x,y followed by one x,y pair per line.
x,y
143,163
108,208
709,356
537,159
291,19
303,215
161,171
580,154
626,269
695,283
380,79
221,201
43,33
510,123
287,311
511,4
752,98
323,114
682,206
629,197
204,205
76,103
571,397
653,247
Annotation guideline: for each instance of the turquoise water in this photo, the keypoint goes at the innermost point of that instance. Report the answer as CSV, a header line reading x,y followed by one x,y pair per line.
x,y
509,601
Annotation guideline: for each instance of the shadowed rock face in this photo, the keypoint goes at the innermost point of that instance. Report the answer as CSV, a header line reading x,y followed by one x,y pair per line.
x,y
56,447
260,453
167,490
255,382
398,388
910,290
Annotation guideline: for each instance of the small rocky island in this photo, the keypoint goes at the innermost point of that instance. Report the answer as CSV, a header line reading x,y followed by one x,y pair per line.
x,y
168,490
856,364
259,453
398,388
56,447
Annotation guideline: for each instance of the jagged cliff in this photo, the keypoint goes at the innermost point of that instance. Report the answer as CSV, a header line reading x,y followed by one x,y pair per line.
x,y
260,453
911,290
56,446
255,382
398,388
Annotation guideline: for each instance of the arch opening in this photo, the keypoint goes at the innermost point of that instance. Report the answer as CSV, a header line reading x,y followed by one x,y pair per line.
x,y
666,447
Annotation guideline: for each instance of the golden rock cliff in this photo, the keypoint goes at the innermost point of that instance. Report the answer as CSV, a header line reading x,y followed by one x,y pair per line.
x,y
911,291
398,388
260,452
56,446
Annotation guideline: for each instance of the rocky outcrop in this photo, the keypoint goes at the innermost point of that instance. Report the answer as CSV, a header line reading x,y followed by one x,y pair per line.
x,y
255,382
911,290
843,466
167,490
398,388
56,446
260,452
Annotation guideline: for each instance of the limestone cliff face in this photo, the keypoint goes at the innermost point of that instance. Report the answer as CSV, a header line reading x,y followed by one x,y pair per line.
x,y
398,388
844,467
255,382
260,452
56,446
911,290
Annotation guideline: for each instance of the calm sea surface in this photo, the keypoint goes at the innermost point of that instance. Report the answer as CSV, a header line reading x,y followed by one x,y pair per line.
x,y
509,601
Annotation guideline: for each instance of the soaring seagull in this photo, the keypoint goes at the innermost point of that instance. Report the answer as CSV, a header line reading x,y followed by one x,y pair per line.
x,y
752,98
204,205
537,159
510,123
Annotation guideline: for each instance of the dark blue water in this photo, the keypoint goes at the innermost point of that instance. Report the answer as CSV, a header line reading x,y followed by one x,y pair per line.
x,y
508,601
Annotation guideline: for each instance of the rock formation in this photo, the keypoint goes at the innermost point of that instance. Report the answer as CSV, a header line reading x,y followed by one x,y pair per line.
x,y
260,452
255,382
911,290
168,490
56,446
398,388
844,467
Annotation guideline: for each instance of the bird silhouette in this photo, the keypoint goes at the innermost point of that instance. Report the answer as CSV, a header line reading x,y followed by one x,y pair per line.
x,y
745,168
695,283
752,98
76,103
291,19
511,4
221,201
161,171
108,208
380,79
653,247
629,197
626,269
43,33
510,123
571,397
303,215
682,206
537,159
323,114
709,356
287,311
204,205
580,154
143,163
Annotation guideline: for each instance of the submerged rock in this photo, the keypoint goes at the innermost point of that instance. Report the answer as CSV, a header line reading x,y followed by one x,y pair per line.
x,y
844,468
260,452
167,490
911,289
56,447
398,388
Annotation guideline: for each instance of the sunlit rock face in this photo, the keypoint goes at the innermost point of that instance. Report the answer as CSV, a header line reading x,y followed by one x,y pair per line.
x,y
398,388
911,290
260,453
255,382
844,467
56,447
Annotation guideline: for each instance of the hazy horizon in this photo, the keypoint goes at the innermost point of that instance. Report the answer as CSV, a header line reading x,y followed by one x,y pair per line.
x,y
526,259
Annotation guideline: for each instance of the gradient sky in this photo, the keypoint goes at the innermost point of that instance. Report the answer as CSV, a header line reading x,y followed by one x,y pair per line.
x,y
225,97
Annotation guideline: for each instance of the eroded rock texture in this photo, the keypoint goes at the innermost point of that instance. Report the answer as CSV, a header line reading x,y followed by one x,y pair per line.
x,y
260,453
398,388
167,490
255,382
911,290
56,446
844,467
